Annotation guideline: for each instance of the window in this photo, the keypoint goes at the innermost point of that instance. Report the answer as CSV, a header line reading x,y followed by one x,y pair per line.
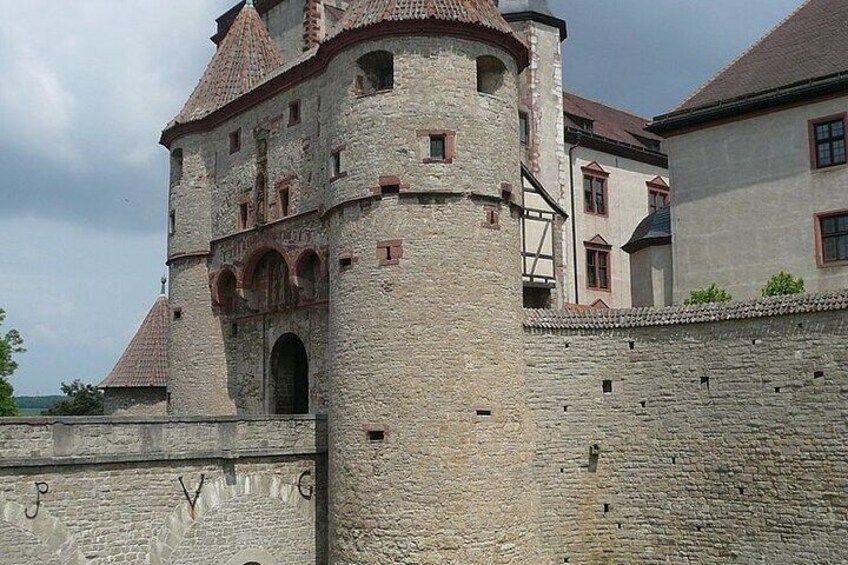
x,y
389,252
283,200
832,233
338,164
597,268
294,113
235,141
172,222
827,142
586,124
437,148
378,72
176,166
490,74
658,195
523,128
595,194
244,216
492,217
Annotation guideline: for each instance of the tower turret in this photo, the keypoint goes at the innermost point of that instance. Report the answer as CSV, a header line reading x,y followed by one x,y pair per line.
x,y
430,437
198,374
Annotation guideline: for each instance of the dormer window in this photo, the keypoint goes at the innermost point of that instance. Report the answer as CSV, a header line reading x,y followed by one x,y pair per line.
x,y
586,124
378,70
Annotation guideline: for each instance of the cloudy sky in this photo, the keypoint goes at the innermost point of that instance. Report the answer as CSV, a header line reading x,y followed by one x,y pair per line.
x,y
88,84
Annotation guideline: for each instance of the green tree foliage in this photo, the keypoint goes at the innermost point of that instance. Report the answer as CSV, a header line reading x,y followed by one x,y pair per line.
x,y
708,295
783,283
9,344
80,400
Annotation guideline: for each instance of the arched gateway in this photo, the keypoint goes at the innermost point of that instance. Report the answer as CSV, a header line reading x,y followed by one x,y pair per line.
x,y
289,376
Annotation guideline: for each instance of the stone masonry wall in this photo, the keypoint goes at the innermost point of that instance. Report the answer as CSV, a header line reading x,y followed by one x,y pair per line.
x,y
113,492
719,442
135,401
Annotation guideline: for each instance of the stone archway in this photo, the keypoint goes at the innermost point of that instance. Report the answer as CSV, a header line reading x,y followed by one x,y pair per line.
x,y
289,376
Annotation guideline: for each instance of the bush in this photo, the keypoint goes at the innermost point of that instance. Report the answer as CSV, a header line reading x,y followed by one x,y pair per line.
x,y
707,295
783,283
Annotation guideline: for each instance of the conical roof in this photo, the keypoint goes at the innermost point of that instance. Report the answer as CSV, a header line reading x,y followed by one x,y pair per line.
x,y
145,360
245,57
365,13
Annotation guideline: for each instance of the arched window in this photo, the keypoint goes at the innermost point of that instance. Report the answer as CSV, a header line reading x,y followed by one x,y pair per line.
x,y
490,74
378,72
309,281
269,284
225,291
289,376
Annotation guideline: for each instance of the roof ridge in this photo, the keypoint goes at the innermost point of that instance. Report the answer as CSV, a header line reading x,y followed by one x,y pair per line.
x,y
721,71
610,106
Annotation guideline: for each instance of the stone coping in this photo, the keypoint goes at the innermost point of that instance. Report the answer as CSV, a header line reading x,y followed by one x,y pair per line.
x,y
99,420
679,315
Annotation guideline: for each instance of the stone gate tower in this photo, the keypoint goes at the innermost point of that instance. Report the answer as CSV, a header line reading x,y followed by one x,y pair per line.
x,y
360,204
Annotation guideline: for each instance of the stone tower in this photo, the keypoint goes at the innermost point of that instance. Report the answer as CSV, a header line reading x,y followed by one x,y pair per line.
x,y
389,154
430,439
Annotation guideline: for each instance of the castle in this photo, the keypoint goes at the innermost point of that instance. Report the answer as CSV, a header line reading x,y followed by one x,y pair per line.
x,y
350,376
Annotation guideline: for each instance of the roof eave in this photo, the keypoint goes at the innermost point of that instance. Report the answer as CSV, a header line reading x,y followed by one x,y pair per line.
x,y
633,246
690,118
582,138
329,49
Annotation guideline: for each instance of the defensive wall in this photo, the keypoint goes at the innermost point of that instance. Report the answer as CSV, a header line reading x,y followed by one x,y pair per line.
x,y
708,434
103,490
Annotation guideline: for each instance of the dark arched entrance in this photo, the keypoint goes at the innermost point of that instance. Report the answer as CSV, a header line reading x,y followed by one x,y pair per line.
x,y
289,376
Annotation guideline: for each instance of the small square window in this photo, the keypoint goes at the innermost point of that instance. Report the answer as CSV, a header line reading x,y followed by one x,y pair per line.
x,y
235,141
294,113
376,435
437,147
178,313
606,386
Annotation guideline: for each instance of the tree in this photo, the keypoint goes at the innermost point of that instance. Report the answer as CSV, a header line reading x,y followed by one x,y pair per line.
x,y
783,283
9,344
708,295
81,400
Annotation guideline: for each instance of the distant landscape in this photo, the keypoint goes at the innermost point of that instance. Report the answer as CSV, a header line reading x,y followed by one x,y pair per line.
x,y
33,405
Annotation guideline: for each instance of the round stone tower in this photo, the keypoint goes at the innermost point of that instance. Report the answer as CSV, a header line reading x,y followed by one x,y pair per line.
x,y
430,436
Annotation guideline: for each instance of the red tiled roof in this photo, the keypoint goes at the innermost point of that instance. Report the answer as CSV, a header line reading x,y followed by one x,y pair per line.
x,y
244,58
608,122
811,43
145,360
364,13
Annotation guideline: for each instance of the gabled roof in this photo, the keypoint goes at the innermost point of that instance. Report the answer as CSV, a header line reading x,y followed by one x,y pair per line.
x,y
655,229
810,43
365,13
145,360
608,122
245,57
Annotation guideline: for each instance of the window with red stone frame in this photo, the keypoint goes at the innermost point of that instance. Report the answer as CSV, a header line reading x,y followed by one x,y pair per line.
x,y
598,267
595,197
389,252
659,195
827,141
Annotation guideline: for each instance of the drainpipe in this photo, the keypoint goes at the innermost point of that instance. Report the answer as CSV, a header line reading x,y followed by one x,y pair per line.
x,y
574,218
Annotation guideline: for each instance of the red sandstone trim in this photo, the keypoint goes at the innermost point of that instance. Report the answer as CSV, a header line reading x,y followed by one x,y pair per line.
x,y
492,220
811,137
817,218
389,252
450,144
311,24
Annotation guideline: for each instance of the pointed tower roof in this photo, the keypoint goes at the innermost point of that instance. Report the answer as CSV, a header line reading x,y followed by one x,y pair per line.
x,y
365,13
245,57
145,360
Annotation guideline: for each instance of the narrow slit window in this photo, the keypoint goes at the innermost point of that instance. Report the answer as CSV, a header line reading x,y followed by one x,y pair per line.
x,y
523,128
172,222
283,199
176,166
376,435
235,141
294,113
244,215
